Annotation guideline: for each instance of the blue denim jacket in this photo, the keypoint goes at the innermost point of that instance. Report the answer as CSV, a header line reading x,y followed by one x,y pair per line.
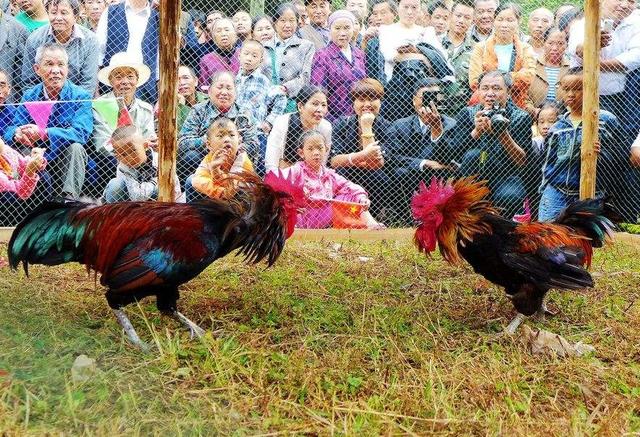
x,y
562,163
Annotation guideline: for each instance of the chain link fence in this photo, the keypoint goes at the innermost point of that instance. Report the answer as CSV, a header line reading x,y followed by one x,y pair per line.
x,y
358,101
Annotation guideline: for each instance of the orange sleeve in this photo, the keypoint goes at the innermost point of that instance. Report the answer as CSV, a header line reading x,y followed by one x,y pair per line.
x,y
475,65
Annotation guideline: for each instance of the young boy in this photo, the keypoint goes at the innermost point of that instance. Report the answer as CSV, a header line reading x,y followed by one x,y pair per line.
x,y
225,157
137,173
256,95
561,170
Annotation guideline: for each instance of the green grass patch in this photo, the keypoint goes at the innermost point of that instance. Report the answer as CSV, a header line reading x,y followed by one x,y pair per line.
x,y
320,344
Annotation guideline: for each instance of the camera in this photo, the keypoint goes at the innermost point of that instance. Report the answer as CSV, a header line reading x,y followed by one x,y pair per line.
x,y
499,121
607,25
437,97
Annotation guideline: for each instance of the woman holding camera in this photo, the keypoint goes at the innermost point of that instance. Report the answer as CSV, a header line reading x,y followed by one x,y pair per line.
x,y
504,51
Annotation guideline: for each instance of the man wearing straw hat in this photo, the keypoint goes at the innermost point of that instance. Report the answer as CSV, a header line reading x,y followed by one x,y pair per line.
x,y
56,115
124,75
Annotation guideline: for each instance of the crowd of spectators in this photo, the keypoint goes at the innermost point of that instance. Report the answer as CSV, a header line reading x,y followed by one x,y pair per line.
x,y
386,93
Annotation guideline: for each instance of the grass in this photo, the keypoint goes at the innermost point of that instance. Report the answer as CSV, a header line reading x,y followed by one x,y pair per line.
x,y
321,344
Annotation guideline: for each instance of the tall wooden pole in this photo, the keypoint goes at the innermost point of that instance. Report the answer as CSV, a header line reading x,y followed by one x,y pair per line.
x,y
167,127
590,105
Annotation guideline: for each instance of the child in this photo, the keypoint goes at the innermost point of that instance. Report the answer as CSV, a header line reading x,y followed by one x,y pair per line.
x,y
225,156
546,117
320,182
561,170
137,173
19,174
18,179
256,96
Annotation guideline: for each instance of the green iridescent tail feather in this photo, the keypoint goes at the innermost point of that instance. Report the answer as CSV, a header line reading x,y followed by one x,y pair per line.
x,y
48,236
595,218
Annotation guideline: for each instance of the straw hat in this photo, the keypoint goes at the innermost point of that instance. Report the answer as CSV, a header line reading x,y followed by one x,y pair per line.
x,y
124,59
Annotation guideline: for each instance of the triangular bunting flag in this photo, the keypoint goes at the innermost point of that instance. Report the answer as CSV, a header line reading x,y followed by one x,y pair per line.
x,y
108,110
347,215
124,118
40,112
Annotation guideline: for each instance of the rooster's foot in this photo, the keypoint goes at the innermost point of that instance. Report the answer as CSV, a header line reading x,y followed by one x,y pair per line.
x,y
515,324
130,331
543,312
194,329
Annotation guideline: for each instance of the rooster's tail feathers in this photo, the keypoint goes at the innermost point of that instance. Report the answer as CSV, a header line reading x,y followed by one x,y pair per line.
x,y
595,218
48,235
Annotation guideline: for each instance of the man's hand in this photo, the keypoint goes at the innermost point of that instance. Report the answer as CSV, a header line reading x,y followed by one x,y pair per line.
x,y
433,165
482,124
430,116
407,48
371,32
266,127
28,135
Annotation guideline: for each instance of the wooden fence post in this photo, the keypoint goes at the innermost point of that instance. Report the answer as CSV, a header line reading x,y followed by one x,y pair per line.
x,y
169,47
590,104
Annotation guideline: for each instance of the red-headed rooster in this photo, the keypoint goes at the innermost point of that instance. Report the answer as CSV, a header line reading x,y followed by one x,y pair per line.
x,y
150,248
527,259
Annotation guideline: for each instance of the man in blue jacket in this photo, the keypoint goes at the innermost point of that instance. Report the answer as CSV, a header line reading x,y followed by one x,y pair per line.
x,y
69,125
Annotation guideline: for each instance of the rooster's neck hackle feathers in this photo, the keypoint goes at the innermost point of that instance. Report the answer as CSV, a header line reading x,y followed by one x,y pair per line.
x,y
462,204
463,215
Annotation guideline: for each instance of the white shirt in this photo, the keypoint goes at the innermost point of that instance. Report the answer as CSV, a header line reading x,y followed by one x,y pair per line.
x,y
137,25
347,53
636,143
624,47
394,36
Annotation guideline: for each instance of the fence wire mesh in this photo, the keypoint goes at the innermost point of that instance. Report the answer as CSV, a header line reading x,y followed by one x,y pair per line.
x,y
359,101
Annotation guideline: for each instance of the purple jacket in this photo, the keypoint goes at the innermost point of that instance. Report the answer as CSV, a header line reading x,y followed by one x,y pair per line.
x,y
212,62
336,74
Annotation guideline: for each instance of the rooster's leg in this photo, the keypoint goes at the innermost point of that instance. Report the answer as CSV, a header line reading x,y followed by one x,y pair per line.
x,y
543,312
194,329
515,323
128,328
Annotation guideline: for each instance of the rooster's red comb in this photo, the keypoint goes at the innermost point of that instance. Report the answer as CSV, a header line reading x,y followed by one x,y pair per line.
x,y
282,183
427,198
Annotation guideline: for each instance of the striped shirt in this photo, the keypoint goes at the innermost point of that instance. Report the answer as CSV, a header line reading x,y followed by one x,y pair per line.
x,y
552,79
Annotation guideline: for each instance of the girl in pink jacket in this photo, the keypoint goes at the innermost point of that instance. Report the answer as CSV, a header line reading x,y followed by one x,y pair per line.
x,y
322,185
19,174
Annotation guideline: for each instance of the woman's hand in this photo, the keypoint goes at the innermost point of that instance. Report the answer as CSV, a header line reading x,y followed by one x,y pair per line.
x,y
372,154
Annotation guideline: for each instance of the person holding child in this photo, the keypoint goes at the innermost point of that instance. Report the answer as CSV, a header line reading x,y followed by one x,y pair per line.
x,y
321,185
561,169
193,135
283,139
137,172
225,157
